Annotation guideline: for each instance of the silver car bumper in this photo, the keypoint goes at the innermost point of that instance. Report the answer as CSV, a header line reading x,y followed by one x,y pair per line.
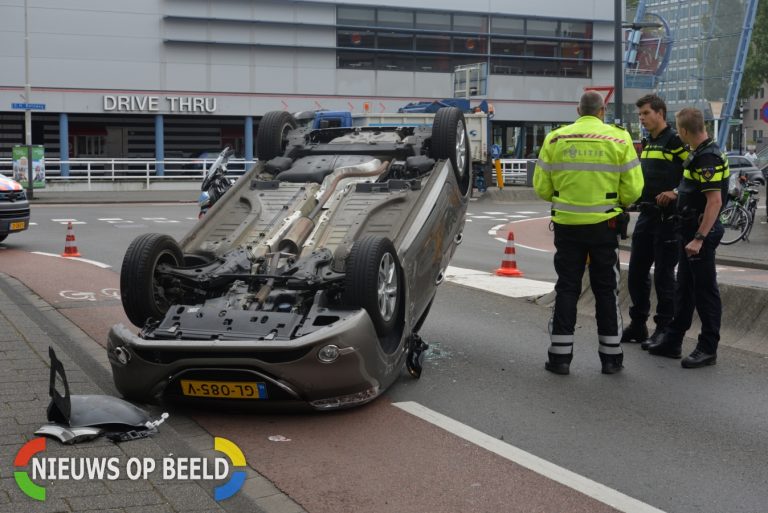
x,y
151,370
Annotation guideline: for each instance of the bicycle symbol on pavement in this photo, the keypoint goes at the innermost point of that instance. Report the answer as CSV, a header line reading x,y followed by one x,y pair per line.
x,y
75,295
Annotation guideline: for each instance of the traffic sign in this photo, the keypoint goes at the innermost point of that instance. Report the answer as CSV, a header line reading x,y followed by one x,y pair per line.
x,y
495,151
764,112
28,106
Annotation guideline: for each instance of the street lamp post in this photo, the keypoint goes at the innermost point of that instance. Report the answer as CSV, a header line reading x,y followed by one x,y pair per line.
x,y
27,111
618,63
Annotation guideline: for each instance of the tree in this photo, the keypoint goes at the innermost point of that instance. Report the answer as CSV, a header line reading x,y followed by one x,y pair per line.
x,y
756,69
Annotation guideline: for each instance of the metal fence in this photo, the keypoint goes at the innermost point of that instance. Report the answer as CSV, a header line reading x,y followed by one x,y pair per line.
x,y
106,170
514,171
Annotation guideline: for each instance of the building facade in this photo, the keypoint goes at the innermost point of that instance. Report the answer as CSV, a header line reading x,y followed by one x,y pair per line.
x,y
170,78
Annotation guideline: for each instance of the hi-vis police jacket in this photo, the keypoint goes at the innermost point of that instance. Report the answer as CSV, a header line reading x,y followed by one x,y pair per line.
x,y
588,170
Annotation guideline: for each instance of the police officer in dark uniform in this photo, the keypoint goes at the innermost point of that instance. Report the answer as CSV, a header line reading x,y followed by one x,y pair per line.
x,y
701,196
654,240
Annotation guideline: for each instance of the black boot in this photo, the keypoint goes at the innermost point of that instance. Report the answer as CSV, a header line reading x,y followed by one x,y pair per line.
x,y
612,363
559,363
666,346
653,338
698,359
636,332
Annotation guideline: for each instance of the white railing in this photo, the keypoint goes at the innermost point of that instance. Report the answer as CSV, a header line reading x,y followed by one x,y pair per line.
x,y
514,171
106,170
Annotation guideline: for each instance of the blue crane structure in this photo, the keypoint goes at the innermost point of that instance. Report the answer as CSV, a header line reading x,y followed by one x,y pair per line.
x,y
750,14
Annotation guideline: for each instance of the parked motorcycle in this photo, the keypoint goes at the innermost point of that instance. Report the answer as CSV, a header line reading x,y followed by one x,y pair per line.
x,y
216,182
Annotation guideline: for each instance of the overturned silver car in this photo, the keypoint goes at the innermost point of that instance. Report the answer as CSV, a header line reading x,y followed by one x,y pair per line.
x,y
307,280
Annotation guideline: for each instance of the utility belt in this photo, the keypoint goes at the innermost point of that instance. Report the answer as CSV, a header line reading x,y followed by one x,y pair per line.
x,y
689,218
658,213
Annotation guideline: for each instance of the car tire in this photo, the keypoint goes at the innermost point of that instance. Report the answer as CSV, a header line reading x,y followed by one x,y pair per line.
x,y
373,281
143,298
271,137
450,141
3,236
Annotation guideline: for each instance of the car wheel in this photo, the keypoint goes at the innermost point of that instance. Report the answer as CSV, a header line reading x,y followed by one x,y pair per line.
x,y
271,137
143,296
3,236
451,141
373,282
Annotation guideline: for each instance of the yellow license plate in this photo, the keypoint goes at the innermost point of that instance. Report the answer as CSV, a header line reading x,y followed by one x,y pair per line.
x,y
223,389
18,225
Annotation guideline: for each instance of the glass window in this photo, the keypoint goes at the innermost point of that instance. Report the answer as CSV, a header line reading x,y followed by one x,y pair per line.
x,y
433,21
504,25
754,135
355,16
462,60
433,43
506,46
394,62
576,29
467,23
576,69
395,40
542,28
762,92
502,66
543,68
434,63
395,18
355,38
354,60
760,135
469,44
580,51
542,49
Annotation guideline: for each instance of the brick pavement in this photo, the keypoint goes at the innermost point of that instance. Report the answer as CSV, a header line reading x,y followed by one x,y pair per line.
x,y
28,326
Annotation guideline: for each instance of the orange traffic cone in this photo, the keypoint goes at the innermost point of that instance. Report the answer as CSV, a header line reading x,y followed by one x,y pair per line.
x,y
508,264
70,247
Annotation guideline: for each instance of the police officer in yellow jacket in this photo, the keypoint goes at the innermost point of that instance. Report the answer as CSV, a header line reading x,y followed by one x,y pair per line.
x,y
588,170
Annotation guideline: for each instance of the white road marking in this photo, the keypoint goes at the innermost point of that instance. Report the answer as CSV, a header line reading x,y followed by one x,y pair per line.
x,y
77,295
191,218
510,287
492,231
116,220
159,220
532,249
526,212
481,217
572,480
67,221
32,224
495,213
515,216
79,259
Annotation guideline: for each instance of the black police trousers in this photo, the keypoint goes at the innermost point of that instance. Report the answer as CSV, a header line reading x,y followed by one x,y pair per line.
x,y
653,242
697,289
573,244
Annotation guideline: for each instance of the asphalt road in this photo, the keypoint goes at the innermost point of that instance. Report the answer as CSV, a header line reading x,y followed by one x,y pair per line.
x,y
683,441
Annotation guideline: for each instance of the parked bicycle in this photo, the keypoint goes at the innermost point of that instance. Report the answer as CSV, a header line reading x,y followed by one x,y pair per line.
x,y
738,216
